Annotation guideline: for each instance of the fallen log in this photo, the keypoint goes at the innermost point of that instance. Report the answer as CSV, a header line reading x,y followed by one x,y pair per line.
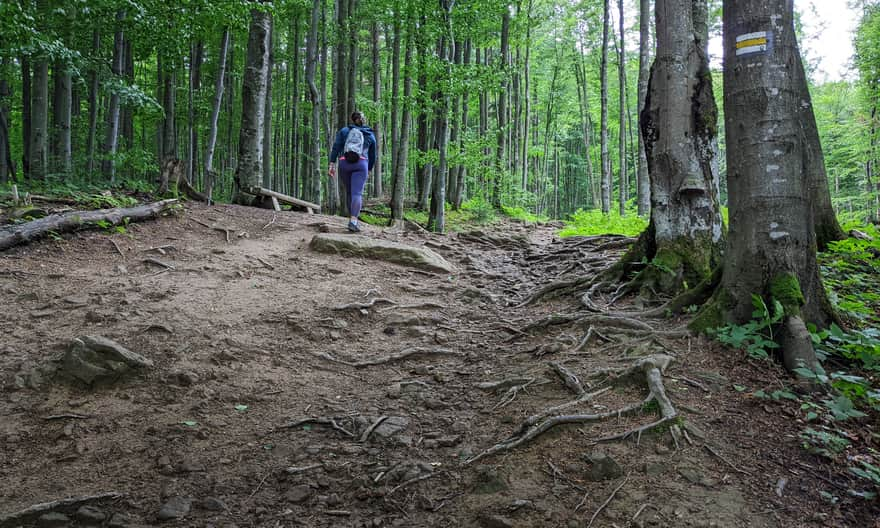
x,y
65,222
260,191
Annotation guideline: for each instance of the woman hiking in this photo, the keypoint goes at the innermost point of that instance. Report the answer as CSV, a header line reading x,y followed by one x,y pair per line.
x,y
355,151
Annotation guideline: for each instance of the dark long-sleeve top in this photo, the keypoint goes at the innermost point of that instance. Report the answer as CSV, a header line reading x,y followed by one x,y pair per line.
x,y
369,139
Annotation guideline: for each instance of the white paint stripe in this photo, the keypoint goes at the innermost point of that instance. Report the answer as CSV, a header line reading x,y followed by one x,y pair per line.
x,y
750,36
751,49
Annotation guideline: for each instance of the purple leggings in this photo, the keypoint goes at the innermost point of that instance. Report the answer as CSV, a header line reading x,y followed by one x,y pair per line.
x,y
353,176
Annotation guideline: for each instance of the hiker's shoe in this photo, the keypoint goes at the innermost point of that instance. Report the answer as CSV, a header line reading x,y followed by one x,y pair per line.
x,y
352,227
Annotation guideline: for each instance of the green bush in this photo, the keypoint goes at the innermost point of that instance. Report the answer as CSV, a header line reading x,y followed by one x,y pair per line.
x,y
593,222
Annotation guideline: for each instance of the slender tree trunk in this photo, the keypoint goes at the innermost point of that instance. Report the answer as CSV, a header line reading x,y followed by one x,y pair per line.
x,y
63,149
437,219
502,109
7,166
400,166
300,148
395,90
377,99
267,115
169,136
352,63
127,117
606,158
621,143
527,100
643,181
313,175
772,248
93,105
111,141
26,116
195,86
249,172
211,143
340,108
423,170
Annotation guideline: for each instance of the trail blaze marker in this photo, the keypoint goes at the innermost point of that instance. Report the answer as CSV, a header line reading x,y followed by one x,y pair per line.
x,y
757,42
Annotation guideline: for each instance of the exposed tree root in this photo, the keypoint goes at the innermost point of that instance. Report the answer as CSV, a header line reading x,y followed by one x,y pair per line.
x,y
363,306
318,420
651,367
403,354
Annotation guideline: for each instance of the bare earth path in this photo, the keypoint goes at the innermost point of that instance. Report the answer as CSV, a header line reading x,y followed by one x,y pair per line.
x,y
262,408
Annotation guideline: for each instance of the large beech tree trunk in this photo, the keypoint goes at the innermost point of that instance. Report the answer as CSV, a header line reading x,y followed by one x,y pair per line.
x,y
249,171
679,127
772,249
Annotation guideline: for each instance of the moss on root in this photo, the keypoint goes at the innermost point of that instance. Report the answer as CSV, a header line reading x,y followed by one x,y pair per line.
x,y
786,288
712,314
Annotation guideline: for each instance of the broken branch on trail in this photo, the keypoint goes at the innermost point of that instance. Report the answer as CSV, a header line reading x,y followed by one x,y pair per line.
x,y
65,222
403,354
309,206
534,426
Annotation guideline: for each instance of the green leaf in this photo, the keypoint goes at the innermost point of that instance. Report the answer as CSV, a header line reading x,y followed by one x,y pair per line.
x,y
739,388
241,408
190,423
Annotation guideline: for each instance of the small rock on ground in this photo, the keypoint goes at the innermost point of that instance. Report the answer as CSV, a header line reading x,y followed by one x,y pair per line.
x,y
175,508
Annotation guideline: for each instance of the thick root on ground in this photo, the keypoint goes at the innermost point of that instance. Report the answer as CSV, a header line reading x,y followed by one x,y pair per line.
x,y
651,367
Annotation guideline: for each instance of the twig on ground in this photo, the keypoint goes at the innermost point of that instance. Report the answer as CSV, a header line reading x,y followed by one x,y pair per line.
x,y
364,437
411,481
118,249
272,221
319,420
293,470
607,502
157,262
729,463
259,486
67,417
363,306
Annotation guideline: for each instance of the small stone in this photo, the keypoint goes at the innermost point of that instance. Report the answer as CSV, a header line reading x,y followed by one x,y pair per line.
x,y
489,480
52,519
692,475
662,449
213,504
603,468
119,520
298,494
652,469
175,508
90,514
334,500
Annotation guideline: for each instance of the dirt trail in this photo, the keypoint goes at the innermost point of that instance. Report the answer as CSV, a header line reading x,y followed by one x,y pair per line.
x,y
250,417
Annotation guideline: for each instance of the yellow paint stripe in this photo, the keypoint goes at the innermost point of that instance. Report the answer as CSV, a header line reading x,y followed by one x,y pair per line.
x,y
751,42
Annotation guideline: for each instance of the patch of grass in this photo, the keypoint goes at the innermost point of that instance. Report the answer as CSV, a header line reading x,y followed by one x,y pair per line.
x,y
519,213
593,222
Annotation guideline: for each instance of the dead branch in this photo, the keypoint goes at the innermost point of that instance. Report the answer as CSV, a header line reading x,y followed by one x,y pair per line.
x,y
364,437
729,463
319,420
16,518
293,470
607,502
73,220
411,481
157,262
363,306
568,378
405,354
503,384
118,249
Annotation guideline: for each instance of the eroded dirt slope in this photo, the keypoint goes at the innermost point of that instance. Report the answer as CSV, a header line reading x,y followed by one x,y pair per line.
x,y
261,410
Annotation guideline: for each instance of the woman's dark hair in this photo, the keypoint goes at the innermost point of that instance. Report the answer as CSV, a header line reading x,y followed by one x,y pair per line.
x,y
356,114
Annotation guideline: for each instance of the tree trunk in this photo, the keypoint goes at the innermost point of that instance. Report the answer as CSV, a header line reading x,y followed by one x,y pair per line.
x,y
249,171
26,116
395,91
195,85
400,165
215,114
643,181
267,114
111,142
437,219
313,176
527,100
606,158
352,63
679,126
39,140
93,105
340,107
169,136
377,99
621,146
502,109
7,166
772,247
61,119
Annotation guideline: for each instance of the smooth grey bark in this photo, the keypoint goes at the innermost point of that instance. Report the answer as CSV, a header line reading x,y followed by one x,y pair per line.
x,y
643,182
352,26
93,105
340,106
527,103
772,244
39,140
398,184
503,122
26,115
313,176
603,83
7,166
267,113
169,98
395,91
211,142
621,143
111,140
249,171
61,117
437,218
679,126
195,84
300,140
377,99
